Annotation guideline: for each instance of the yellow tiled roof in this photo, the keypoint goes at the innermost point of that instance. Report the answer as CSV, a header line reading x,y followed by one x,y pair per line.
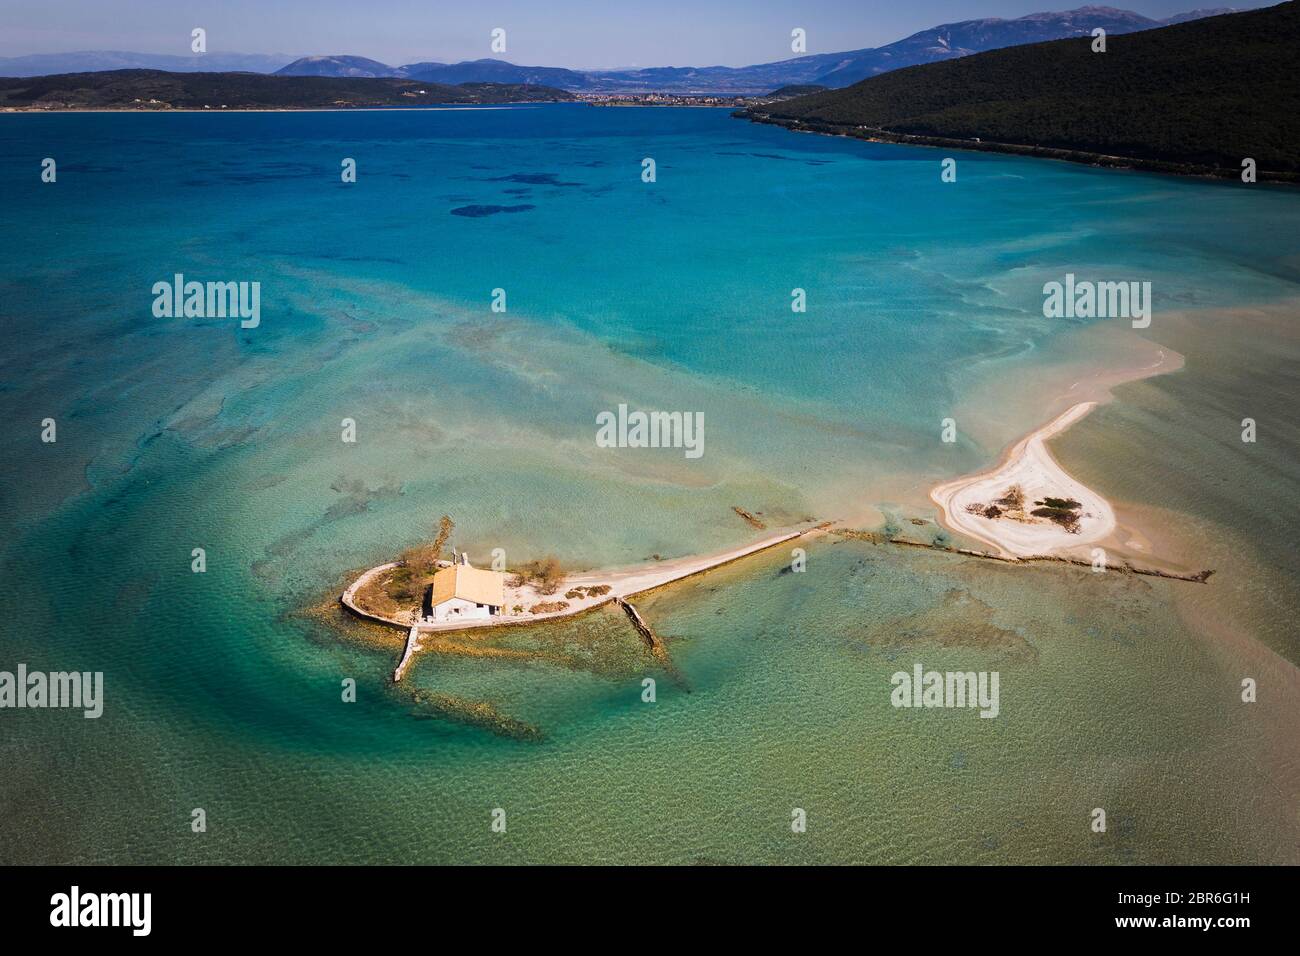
x,y
468,584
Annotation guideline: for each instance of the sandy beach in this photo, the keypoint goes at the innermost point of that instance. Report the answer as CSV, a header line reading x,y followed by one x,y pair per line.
x,y
1029,467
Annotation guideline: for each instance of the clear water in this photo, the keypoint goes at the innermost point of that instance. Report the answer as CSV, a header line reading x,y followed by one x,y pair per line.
x,y
923,301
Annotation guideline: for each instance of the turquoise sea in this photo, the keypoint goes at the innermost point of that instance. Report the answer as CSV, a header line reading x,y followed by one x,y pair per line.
x,y
923,302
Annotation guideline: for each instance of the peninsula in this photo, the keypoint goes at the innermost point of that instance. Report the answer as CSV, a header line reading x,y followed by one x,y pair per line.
x,y
1028,505
1228,80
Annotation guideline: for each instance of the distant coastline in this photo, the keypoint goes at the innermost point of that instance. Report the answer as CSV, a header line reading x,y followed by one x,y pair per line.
x,y
448,107
160,91
1082,157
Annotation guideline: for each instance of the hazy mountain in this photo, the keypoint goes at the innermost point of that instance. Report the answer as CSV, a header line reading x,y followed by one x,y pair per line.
x,y
494,71
1198,15
1195,94
467,71
336,66
712,79
974,36
93,61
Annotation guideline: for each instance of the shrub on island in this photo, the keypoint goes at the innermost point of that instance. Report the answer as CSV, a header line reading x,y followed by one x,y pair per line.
x,y
545,574
548,607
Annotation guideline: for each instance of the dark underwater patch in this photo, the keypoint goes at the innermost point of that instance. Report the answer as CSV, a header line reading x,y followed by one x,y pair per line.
x,y
533,179
478,212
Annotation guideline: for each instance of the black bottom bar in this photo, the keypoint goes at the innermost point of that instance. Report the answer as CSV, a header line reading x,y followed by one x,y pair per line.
x,y
377,906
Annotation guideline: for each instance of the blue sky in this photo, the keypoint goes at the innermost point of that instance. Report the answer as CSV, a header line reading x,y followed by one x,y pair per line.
x,y
573,33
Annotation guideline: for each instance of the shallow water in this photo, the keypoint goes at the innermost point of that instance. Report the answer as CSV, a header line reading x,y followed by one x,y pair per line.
x,y
922,299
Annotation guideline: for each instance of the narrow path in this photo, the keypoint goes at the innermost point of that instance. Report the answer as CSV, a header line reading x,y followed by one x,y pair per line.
x,y
408,653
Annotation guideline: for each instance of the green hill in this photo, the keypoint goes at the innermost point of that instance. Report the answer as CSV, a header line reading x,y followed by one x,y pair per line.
x,y
1194,97
157,89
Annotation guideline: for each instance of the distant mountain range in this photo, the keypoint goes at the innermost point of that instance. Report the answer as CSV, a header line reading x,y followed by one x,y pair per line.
x,y
833,70
470,71
837,70
1190,97
953,40
94,61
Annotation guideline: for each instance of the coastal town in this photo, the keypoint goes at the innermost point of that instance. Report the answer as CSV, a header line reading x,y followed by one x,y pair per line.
x,y
664,99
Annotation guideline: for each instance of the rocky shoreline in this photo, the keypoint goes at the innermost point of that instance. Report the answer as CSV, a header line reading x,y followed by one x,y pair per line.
x,y
873,135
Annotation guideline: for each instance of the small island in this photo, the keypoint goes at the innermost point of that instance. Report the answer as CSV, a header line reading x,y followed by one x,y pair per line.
x,y
424,593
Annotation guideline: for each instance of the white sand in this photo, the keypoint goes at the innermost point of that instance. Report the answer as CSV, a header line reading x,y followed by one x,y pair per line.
x,y
1031,466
